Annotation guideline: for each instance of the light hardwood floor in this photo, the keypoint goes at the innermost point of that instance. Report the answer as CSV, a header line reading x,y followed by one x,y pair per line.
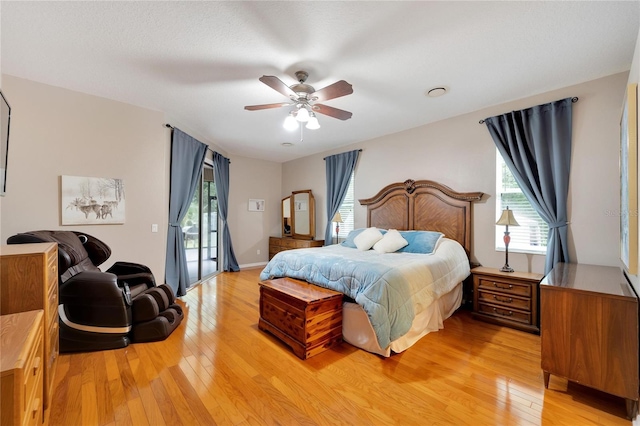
x,y
218,368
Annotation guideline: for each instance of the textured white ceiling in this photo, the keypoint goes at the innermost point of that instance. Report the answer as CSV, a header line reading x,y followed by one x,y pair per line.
x,y
199,62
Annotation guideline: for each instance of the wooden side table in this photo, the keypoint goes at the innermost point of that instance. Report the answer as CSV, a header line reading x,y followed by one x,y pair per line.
x,y
506,298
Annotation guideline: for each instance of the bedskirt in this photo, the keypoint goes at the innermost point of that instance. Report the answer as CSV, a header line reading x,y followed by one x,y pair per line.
x,y
357,329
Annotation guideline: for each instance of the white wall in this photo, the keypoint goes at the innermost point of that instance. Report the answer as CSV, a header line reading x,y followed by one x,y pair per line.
x,y
250,230
57,132
460,153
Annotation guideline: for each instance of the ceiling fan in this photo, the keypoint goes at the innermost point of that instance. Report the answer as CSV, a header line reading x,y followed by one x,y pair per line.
x,y
303,99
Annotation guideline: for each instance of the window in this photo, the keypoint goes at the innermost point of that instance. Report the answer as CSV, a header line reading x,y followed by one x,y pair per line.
x,y
346,212
531,235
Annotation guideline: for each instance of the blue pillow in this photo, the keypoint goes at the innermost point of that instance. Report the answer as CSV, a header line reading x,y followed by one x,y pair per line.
x,y
348,242
420,241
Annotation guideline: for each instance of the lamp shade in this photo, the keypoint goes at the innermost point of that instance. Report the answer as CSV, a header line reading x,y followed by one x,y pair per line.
x,y
302,115
290,123
337,218
507,218
313,122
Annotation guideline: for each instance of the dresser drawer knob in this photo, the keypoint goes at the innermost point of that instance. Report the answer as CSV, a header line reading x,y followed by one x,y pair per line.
x,y
35,407
503,313
36,365
503,299
495,284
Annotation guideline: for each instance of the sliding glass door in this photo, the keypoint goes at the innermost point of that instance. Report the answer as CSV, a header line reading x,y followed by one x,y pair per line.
x,y
200,227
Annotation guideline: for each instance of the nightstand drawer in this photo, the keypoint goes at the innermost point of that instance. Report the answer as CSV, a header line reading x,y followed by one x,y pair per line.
x,y
501,286
508,301
505,313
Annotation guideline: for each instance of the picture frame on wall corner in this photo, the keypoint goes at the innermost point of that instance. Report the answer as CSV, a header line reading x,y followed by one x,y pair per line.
x,y
629,181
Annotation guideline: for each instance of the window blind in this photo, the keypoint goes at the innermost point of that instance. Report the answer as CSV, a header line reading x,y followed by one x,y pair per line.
x,y
346,212
532,233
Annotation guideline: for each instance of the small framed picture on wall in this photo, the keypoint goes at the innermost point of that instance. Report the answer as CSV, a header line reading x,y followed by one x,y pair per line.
x,y
256,205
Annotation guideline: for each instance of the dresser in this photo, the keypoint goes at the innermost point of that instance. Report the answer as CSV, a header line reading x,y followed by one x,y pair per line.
x,y
506,298
278,244
589,329
28,281
21,375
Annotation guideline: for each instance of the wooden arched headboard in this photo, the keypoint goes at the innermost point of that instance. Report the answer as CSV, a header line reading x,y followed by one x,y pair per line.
x,y
423,205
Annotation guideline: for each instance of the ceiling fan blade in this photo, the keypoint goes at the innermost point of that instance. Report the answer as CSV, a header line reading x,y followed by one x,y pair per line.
x,y
332,91
332,112
276,84
266,106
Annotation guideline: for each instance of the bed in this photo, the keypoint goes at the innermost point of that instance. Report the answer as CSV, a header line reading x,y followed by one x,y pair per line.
x,y
394,299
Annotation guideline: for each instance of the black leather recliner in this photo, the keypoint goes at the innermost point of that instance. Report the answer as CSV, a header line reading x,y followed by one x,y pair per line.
x,y
105,310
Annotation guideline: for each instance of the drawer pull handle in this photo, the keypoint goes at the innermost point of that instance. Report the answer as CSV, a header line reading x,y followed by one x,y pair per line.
x,y
36,365
503,299
35,407
508,287
503,313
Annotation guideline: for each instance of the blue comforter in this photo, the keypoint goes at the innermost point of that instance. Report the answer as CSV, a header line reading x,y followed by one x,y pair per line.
x,y
380,283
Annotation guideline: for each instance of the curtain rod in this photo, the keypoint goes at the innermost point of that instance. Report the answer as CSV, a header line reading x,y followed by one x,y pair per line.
x,y
573,101
360,150
173,128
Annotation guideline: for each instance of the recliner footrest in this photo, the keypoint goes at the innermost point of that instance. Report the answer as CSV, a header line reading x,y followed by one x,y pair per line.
x,y
158,328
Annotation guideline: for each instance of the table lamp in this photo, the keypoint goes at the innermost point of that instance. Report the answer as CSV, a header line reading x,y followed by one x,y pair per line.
x,y
338,220
507,219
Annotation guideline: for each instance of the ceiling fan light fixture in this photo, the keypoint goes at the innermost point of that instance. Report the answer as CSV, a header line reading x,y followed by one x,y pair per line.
x,y
290,123
313,123
302,115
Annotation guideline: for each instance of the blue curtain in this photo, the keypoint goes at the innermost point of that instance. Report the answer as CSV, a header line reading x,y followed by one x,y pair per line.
x,y
536,146
221,177
339,168
187,158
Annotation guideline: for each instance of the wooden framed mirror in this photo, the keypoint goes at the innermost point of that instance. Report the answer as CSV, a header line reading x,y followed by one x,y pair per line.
x,y
303,215
286,217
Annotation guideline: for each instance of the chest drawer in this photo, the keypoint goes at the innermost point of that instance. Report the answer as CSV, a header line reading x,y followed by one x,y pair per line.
x,y
288,243
33,376
505,313
509,301
506,287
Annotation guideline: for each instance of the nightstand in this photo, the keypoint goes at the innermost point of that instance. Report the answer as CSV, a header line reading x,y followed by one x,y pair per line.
x,y
507,298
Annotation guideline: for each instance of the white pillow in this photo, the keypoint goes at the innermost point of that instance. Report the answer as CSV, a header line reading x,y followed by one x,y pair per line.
x,y
392,241
367,238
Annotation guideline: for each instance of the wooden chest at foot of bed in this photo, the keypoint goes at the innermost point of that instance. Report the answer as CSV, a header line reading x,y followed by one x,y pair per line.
x,y
306,317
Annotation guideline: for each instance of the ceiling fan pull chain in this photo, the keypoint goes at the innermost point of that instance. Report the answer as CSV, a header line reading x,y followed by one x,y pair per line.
x,y
301,133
